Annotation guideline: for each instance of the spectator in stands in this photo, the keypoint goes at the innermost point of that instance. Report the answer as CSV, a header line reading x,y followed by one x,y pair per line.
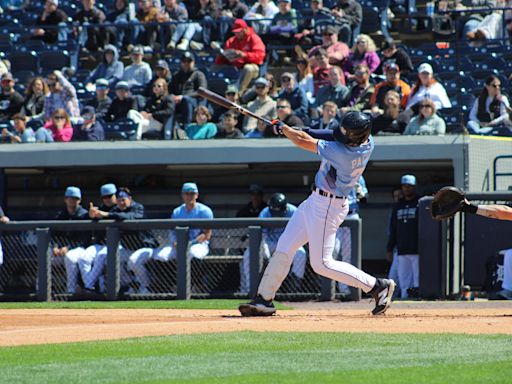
x,y
287,115
427,122
337,51
173,33
158,110
70,245
122,103
348,15
139,72
90,37
231,9
428,87
58,128
363,52
205,12
245,51
329,118
101,102
62,96
313,26
91,129
10,99
261,14
202,128
21,134
146,14
390,120
492,26
161,71
489,112
284,23
199,238
227,128
46,24
111,68
335,91
392,82
304,76
256,203
3,219
262,130
321,70
262,105
232,95
392,54
296,97
359,96
184,85
120,15
33,105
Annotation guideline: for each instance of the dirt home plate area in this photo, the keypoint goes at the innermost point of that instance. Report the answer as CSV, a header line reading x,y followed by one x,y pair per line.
x,y
42,326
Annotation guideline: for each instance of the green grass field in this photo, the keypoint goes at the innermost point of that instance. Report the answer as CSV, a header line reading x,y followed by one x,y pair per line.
x,y
250,357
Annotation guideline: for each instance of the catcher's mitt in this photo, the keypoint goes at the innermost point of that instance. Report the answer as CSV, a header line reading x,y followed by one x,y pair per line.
x,y
447,202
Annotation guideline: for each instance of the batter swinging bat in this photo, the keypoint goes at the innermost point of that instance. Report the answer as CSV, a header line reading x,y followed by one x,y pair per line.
x,y
223,102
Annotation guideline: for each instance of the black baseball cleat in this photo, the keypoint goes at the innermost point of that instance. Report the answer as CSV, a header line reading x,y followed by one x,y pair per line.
x,y
382,293
257,307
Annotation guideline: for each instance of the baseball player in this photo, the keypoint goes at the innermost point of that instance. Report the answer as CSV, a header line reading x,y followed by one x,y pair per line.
x,y
344,154
198,238
3,219
277,207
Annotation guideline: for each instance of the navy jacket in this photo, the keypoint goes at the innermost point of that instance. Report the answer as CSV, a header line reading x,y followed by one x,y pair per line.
x,y
403,227
72,239
298,101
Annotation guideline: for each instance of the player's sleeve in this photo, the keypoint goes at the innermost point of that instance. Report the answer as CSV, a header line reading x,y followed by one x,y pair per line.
x,y
206,213
326,150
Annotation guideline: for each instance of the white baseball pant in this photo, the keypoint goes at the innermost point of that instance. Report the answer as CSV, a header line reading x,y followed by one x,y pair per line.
x,y
408,273
507,270
71,262
393,269
343,250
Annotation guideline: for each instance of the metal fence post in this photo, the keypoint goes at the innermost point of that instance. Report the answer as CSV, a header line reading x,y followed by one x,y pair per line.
x,y
356,235
113,270
44,270
182,264
255,262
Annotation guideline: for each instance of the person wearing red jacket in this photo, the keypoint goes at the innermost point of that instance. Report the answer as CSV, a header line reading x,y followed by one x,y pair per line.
x,y
245,51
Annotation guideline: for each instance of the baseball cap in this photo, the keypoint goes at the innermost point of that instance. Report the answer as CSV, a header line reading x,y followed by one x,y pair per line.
x,y
238,25
284,1
88,110
391,67
425,67
187,55
162,64
73,192
7,76
101,83
122,85
231,89
255,188
408,179
108,189
138,50
261,81
330,29
388,43
56,2
190,187
287,74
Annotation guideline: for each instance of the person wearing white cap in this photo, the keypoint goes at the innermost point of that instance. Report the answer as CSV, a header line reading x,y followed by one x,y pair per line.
x,y
427,87
403,234
198,238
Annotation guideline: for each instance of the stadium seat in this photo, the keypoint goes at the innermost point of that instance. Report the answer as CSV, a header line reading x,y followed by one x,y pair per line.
x,y
31,45
24,61
452,118
121,130
464,100
218,85
23,77
53,60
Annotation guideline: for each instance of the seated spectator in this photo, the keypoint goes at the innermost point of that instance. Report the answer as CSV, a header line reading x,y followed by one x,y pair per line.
x,y
321,70
335,91
329,118
62,96
492,26
427,122
10,99
428,87
111,68
261,131
337,51
161,71
227,128
46,24
202,128
231,9
261,14
205,12
232,95
58,128
245,51
174,33
122,103
295,95
390,120
101,103
139,72
311,34
22,133
184,85
392,82
363,52
348,15
304,77
89,37
286,114
91,129
489,112
359,96
392,54
262,105
146,33
284,24
33,105
158,109
120,15
256,203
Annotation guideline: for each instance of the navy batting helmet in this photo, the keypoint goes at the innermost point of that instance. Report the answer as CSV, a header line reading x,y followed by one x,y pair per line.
x,y
277,204
354,129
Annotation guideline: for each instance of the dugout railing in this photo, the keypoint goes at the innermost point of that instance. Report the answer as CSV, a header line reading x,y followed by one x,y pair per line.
x,y
30,271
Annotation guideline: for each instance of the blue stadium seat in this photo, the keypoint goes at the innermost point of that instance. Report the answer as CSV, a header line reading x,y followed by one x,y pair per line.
x,y
452,118
24,61
121,130
218,85
32,45
53,60
23,77
463,100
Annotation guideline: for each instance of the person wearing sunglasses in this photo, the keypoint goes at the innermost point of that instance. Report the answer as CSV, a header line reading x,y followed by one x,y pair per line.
x,y
359,96
337,51
91,129
62,95
427,122
427,87
262,105
295,95
58,128
286,114
363,52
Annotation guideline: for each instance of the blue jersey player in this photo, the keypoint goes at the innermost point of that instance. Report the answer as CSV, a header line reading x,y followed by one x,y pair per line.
x,y
344,153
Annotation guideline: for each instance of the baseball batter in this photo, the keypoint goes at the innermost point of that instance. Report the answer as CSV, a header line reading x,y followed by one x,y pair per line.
x,y
344,154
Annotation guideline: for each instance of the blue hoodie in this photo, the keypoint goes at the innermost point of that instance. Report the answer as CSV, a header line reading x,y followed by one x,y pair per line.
x,y
113,72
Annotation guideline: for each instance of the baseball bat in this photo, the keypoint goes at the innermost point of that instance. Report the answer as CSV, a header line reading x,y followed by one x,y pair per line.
x,y
223,102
